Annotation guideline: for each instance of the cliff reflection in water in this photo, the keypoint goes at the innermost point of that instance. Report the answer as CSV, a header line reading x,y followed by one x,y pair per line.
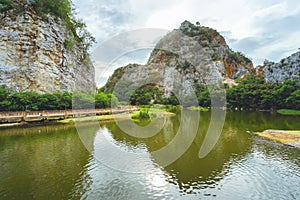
x,y
189,168
67,162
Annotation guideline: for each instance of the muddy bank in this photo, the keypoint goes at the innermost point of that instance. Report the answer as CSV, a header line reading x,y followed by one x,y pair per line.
x,y
290,137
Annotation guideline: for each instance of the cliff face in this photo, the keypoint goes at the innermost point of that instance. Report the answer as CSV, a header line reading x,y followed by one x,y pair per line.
x,y
41,54
191,55
287,68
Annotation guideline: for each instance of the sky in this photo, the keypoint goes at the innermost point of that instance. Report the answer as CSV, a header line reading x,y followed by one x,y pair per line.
x,y
261,29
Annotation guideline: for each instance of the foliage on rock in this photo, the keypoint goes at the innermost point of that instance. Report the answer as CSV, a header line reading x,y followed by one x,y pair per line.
x,y
62,9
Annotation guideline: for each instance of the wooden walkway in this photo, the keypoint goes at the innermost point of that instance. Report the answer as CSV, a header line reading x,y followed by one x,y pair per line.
x,y
23,116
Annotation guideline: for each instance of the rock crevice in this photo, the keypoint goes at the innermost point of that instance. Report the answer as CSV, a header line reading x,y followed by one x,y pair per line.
x,y
35,55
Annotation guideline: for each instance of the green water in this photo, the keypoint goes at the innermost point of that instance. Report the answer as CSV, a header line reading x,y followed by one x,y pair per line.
x,y
52,162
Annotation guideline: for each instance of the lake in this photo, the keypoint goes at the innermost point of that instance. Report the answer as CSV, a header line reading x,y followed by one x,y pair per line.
x,y
92,161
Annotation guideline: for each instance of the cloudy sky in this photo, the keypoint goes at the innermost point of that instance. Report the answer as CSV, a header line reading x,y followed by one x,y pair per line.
x,y
261,29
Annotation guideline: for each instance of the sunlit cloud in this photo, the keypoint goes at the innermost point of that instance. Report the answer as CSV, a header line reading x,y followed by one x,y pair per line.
x,y
260,29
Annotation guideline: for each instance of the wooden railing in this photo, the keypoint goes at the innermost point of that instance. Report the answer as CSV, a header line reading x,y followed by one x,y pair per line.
x,y
58,114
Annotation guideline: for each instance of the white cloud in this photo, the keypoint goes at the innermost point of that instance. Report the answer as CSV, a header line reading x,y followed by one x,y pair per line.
x,y
261,29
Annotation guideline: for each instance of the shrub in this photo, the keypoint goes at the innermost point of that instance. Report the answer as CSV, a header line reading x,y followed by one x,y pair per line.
x,y
60,8
5,5
69,44
20,101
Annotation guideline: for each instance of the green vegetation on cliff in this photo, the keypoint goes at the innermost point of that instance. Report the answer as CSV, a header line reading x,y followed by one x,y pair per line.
x,y
59,8
5,5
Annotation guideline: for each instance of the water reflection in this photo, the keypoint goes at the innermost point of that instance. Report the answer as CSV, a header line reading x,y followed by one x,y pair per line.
x,y
234,146
50,162
189,172
40,166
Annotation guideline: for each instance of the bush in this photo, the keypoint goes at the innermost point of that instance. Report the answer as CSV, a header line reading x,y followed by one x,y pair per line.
x,y
5,5
69,44
141,115
60,8
14,101
254,93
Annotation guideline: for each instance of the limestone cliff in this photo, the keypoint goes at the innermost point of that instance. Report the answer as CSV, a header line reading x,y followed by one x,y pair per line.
x,y
191,55
288,68
41,54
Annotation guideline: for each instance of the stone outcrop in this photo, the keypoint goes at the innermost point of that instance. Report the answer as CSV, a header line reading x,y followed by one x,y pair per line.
x,y
192,55
288,68
42,55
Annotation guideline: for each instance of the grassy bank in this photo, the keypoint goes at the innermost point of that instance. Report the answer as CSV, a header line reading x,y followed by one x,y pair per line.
x,y
144,112
288,112
198,108
148,113
109,117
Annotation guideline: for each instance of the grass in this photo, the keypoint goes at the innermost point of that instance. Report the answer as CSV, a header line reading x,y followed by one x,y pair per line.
x,y
141,115
288,112
198,108
98,118
153,112
136,116
148,112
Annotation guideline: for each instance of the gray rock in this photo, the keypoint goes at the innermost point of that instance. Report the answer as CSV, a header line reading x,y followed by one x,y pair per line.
x,y
288,68
33,56
183,59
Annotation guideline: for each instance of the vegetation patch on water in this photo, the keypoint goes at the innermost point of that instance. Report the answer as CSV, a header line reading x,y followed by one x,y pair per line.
x,y
144,116
109,117
288,112
148,113
285,137
141,115
198,108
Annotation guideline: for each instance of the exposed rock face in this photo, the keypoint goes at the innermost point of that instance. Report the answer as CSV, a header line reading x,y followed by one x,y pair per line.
x,y
41,55
288,68
189,56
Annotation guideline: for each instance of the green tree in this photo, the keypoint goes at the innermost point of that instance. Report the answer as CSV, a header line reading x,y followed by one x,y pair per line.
x,y
145,94
24,101
293,101
104,100
5,5
82,100
4,98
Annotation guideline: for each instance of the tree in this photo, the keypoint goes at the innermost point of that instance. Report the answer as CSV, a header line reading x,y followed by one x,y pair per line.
x,y
104,100
24,101
293,101
146,94
4,101
82,100
5,5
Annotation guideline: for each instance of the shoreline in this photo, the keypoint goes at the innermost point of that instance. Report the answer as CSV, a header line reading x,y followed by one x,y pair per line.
x,y
70,116
72,120
22,118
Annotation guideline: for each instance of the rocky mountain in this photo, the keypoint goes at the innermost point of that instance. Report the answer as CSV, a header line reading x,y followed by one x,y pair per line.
x,y
189,56
41,53
287,68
